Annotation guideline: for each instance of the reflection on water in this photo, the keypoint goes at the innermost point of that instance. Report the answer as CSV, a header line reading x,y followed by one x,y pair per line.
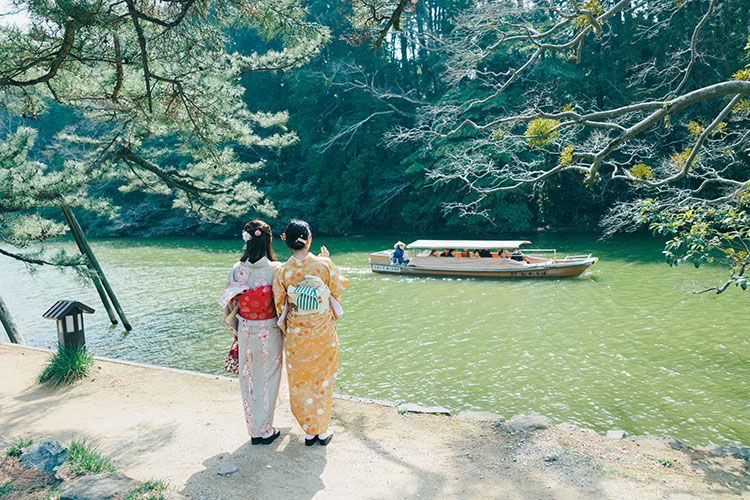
x,y
624,346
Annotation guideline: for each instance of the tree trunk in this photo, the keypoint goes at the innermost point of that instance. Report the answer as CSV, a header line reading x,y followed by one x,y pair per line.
x,y
10,327
86,250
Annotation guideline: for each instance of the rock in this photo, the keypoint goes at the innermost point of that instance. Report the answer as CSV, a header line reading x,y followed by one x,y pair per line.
x,y
566,426
63,472
97,487
529,423
676,444
616,434
44,456
726,450
412,408
227,469
480,416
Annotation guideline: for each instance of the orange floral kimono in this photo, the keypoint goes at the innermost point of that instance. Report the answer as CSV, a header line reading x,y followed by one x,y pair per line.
x,y
312,352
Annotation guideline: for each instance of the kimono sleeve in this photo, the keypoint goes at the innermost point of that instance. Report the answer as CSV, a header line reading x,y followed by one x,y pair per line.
x,y
233,288
336,283
279,291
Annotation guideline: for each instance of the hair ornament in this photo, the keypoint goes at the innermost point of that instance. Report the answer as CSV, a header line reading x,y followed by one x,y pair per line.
x,y
246,236
301,239
257,232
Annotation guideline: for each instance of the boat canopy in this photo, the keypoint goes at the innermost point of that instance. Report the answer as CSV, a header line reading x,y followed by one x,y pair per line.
x,y
476,244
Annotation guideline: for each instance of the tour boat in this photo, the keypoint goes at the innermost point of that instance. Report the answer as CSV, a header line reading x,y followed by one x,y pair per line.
x,y
498,265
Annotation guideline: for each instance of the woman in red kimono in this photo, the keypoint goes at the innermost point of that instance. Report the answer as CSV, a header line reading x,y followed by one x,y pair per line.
x,y
260,341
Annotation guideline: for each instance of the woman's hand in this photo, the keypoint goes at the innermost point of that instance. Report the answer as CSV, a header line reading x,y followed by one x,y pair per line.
x,y
324,252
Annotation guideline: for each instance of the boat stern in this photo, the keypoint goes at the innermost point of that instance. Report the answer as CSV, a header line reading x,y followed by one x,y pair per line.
x,y
380,262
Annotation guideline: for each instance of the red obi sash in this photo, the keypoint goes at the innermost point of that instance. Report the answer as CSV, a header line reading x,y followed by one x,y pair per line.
x,y
257,304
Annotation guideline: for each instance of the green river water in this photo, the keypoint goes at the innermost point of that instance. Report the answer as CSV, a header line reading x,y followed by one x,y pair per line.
x,y
624,346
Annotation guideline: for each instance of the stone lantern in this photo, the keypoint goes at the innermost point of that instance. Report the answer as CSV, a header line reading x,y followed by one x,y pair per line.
x,y
69,316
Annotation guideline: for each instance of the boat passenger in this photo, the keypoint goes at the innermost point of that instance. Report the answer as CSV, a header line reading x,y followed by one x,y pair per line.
x,y
465,253
475,254
485,253
517,255
505,253
399,254
433,253
447,252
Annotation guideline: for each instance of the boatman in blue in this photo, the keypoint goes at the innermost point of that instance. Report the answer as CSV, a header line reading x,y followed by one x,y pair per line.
x,y
398,253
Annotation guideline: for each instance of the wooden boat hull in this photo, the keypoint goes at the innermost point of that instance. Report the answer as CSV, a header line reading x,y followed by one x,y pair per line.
x,y
554,269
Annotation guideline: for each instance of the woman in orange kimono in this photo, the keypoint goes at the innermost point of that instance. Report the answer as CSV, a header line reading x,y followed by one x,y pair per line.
x,y
307,289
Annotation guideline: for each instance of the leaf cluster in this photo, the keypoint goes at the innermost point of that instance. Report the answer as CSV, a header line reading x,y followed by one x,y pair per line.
x,y
702,235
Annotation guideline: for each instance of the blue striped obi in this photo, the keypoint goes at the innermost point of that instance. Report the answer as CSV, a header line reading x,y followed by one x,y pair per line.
x,y
311,296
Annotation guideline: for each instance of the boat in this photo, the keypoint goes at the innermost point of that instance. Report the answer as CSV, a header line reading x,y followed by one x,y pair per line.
x,y
523,263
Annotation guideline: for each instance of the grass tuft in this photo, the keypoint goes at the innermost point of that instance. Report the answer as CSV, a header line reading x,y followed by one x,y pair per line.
x,y
15,449
150,490
665,462
86,459
67,365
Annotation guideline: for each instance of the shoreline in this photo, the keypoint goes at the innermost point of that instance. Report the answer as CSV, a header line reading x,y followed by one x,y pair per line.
x,y
183,427
412,407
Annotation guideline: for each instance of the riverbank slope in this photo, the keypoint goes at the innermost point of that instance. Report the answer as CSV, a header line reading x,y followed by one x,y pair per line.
x,y
183,427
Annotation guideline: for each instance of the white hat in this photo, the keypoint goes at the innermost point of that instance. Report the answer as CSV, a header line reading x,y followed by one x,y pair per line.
x,y
399,244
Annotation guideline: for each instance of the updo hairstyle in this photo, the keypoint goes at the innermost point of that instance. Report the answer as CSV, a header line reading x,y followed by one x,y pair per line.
x,y
259,245
296,234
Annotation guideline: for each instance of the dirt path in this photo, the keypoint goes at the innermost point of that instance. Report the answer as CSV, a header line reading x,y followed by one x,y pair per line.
x,y
183,427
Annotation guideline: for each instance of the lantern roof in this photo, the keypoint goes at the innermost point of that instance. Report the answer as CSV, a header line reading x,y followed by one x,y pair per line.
x,y
64,308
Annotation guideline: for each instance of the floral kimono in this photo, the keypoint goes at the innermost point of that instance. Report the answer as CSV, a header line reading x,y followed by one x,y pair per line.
x,y
260,341
312,351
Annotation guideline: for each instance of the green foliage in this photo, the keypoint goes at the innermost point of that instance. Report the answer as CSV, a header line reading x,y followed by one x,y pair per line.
x,y
16,448
246,163
154,103
86,458
679,160
704,235
566,156
68,364
595,7
6,488
665,462
641,171
541,132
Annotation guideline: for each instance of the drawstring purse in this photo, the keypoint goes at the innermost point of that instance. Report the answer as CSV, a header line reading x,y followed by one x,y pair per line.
x,y
232,361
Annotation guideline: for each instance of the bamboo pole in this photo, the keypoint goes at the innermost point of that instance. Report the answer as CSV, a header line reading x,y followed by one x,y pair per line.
x,y
94,278
75,227
10,327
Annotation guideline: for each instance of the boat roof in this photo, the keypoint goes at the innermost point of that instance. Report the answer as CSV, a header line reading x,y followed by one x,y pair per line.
x,y
479,244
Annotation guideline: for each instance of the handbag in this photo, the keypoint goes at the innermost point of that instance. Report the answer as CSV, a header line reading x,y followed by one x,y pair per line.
x,y
232,361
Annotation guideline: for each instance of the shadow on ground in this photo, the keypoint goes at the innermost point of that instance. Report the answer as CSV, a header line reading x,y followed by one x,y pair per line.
x,y
285,469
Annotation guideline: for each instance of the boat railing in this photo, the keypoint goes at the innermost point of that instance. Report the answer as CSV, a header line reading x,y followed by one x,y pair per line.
x,y
577,257
542,250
